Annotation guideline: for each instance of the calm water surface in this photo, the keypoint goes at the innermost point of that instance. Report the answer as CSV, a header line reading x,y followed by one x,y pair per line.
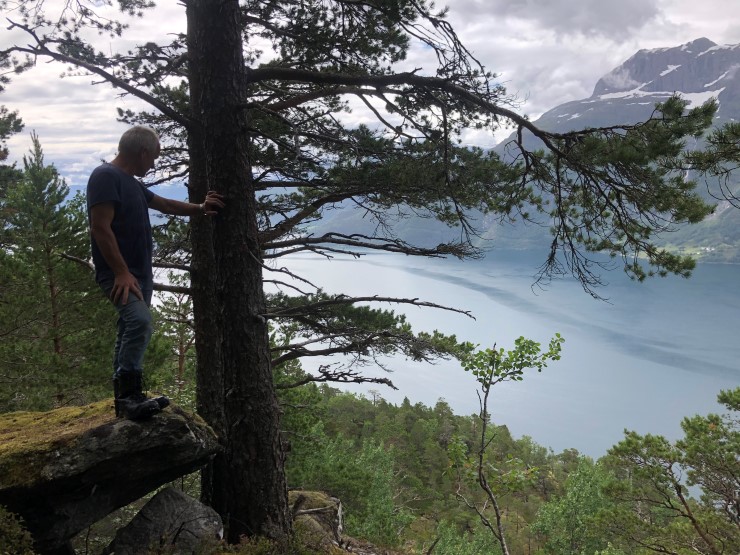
x,y
656,352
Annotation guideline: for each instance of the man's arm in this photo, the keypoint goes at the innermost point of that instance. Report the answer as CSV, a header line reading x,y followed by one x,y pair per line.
x,y
209,207
101,218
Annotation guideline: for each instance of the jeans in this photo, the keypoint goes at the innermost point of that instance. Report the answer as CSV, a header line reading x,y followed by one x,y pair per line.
x,y
134,330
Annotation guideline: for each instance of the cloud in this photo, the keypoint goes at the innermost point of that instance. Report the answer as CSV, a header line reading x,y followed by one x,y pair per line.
x,y
546,53
730,34
542,69
615,20
75,121
620,79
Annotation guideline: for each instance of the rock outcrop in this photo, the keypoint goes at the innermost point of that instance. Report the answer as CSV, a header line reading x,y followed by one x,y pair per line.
x,y
171,522
65,469
318,522
318,516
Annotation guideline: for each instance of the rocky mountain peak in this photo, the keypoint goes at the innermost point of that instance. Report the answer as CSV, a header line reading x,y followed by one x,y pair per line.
x,y
697,67
698,71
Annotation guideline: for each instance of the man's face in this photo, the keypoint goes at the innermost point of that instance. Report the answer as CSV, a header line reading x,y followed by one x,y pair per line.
x,y
146,161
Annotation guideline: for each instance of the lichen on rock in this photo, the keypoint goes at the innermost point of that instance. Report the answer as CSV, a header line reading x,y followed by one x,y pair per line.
x,y
64,469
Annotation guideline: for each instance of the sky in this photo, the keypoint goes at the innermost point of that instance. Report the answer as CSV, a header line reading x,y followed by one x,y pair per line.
x,y
546,52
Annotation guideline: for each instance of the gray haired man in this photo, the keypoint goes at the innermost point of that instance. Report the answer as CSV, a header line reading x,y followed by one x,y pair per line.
x,y
121,235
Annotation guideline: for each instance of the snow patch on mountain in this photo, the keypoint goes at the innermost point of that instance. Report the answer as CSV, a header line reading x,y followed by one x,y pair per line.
x,y
719,78
717,47
697,99
670,68
633,93
694,99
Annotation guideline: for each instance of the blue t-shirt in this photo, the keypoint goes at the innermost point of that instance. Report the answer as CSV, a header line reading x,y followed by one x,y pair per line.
x,y
130,225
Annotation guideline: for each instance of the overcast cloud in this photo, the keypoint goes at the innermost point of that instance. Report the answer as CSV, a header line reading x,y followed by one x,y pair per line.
x,y
546,52
616,20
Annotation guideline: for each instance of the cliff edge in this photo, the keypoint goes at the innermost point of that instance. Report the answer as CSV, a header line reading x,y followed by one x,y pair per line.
x,y
65,469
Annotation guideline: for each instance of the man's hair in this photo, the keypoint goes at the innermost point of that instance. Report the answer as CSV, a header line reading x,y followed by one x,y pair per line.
x,y
138,138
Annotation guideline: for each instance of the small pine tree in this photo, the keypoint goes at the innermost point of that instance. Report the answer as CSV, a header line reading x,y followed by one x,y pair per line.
x,y
55,325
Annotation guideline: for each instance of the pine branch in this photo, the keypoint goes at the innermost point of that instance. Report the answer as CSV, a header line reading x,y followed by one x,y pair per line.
x,y
345,300
356,240
291,222
40,49
339,376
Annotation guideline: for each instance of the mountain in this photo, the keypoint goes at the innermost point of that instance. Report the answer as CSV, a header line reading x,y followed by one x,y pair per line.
x,y
698,70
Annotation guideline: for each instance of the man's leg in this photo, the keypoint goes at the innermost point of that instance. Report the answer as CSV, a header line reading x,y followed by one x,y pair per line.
x,y
120,326
161,400
134,333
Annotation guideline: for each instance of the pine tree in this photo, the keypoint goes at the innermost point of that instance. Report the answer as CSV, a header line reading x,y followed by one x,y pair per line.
x,y
54,321
10,123
173,315
654,509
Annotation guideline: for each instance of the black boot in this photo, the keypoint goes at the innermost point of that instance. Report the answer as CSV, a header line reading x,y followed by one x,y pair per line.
x,y
162,401
116,395
130,402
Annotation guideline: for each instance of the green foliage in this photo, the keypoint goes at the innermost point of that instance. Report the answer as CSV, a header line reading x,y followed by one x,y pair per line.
x,y
655,509
721,157
349,328
10,124
491,366
710,450
569,523
453,541
560,504
424,482
498,474
263,546
174,371
610,550
362,476
14,538
634,192
55,326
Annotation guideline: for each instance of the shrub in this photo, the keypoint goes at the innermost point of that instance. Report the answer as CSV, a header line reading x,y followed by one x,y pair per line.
x,y
14,538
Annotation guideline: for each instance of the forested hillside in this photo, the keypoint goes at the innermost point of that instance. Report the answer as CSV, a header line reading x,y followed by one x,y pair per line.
x,y
408,475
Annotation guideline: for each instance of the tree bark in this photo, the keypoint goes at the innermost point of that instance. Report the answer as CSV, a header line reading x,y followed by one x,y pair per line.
x,y
236,395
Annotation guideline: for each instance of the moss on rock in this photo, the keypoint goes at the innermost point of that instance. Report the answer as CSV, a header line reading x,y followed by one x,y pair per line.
x,y
29,440
64,469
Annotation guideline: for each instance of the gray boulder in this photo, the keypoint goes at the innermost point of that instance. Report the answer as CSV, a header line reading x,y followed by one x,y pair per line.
x,y
171,521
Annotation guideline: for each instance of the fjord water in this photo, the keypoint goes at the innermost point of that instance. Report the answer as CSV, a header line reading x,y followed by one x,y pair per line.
x,y
655,352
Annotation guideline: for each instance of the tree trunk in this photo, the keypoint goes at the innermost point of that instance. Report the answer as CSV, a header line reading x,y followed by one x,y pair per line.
x,y
246,483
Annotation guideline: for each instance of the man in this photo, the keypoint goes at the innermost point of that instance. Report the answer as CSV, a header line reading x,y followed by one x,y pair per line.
x,y
121,236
